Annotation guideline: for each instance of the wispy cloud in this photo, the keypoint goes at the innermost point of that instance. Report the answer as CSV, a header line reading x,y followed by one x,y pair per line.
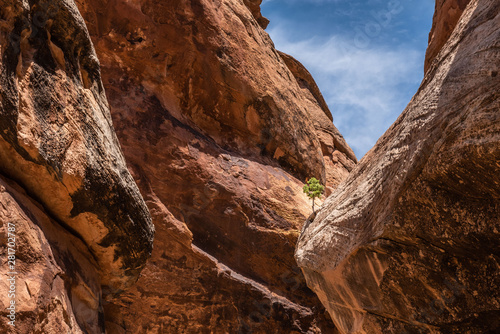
x,y
366,88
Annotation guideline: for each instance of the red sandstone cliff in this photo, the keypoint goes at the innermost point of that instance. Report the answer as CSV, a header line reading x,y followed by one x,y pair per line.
x,y
219,131
69,208
446,16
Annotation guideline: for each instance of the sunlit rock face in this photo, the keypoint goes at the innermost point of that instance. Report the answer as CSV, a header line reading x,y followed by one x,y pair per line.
x,y
219,131
409,243
83,229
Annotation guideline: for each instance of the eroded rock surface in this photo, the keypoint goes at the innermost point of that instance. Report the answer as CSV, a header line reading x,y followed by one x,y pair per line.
x,y
338,156
213,67
92,229
219,134
409,242
55,125
254,6
56,283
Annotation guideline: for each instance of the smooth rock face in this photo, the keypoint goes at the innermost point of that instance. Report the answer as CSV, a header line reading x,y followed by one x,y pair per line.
x,y
409,242
56,137
246,215
83,229
218,131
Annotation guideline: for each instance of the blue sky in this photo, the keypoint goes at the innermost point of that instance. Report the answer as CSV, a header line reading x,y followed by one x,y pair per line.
x,y
366,56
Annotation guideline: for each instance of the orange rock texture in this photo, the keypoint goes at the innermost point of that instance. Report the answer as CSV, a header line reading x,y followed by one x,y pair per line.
x,y
409,242
219,130
55,280
186,120
82,229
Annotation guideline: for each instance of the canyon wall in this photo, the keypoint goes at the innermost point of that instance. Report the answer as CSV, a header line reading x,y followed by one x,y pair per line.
x,y
70,210
409,242
220,131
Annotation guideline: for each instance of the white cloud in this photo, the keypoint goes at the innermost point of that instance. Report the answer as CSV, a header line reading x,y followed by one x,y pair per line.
x,y
366,88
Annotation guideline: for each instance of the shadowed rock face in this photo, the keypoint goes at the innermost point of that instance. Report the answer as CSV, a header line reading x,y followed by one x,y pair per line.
x,y
218,132
336,152
58,144
409,242
446,16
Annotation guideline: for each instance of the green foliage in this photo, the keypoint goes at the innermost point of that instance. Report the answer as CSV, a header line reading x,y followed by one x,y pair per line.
x,y
313,189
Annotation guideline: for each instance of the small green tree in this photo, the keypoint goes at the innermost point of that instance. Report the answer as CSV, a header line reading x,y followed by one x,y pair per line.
x,y
313,189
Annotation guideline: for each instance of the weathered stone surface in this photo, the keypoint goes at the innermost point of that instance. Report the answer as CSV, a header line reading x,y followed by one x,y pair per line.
x,y
215,69
446,16
56,281
56,137
409,243
84,230
254,6
218,133
242,218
